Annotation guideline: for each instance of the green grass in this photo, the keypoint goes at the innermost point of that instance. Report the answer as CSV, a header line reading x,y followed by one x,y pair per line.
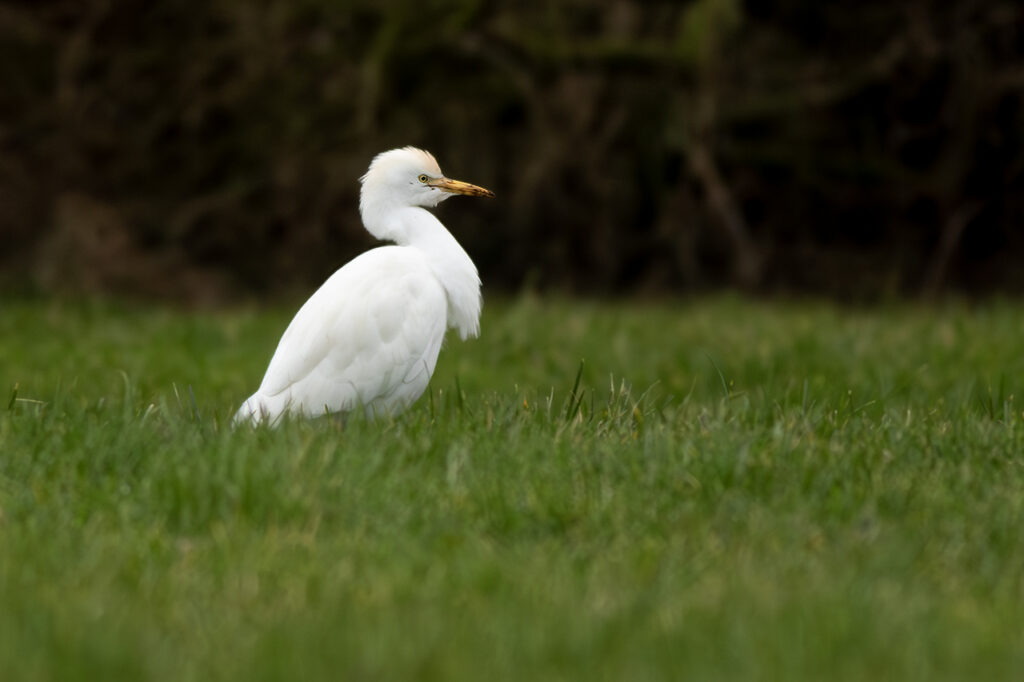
x,y
736,490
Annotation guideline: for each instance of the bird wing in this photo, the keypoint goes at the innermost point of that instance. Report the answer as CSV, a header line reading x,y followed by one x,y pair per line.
x,y
366,336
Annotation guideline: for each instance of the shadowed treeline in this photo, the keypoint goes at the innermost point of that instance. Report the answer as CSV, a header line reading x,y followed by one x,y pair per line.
x,y
204,150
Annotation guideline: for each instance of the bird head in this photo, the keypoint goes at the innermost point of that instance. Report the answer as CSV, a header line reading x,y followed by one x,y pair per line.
x,y
411,177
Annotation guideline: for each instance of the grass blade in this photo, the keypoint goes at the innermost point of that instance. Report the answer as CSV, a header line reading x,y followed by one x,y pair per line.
x,y
574,397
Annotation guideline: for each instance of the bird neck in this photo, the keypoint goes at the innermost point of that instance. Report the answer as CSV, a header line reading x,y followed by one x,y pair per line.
x,y
415,227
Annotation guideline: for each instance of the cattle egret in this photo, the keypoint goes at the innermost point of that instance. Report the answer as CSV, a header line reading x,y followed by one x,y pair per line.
x,y
370,336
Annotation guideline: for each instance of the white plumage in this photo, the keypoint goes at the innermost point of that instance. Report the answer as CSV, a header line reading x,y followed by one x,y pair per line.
x,y
370,336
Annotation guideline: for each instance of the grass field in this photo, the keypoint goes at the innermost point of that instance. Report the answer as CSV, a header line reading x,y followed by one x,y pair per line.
x,y
737,490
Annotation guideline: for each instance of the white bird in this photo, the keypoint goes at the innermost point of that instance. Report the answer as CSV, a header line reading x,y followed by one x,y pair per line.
x,y
370,336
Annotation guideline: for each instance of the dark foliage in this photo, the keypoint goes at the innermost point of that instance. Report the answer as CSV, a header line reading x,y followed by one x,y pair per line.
x,y
202,150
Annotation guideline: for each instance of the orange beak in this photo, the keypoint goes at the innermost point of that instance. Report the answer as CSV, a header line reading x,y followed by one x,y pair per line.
x,y
459,187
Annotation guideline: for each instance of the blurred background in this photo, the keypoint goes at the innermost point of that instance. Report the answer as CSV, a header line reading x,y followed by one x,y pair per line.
x,y
209,152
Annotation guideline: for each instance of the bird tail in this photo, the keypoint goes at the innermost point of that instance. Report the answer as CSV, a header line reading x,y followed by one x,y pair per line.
x,y
254,411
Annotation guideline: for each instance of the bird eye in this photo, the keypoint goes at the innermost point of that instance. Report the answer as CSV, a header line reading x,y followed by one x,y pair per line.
x,y
423,178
